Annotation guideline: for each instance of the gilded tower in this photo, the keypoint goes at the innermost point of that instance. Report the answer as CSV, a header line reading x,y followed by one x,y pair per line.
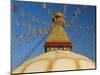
x,y
58,39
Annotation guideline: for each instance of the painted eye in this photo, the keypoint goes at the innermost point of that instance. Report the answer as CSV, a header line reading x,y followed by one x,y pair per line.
x,y
56,48
60,48
57,16
52,48
64,48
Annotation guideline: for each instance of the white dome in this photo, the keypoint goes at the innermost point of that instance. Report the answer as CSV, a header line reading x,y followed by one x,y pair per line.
x,y
56,61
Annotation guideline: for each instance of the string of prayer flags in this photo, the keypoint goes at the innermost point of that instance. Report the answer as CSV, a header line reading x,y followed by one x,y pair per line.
x,y
44,5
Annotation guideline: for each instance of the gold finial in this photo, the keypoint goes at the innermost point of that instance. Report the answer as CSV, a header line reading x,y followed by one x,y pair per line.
x,y
59,19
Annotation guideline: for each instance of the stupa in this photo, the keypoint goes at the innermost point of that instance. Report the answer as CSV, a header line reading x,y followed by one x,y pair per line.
x,y
58,56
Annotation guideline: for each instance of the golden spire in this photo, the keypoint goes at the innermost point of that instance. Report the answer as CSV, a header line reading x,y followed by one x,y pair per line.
x,y
58,33
58,38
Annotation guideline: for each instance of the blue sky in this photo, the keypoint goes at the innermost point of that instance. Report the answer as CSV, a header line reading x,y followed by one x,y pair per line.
x,y
81,32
